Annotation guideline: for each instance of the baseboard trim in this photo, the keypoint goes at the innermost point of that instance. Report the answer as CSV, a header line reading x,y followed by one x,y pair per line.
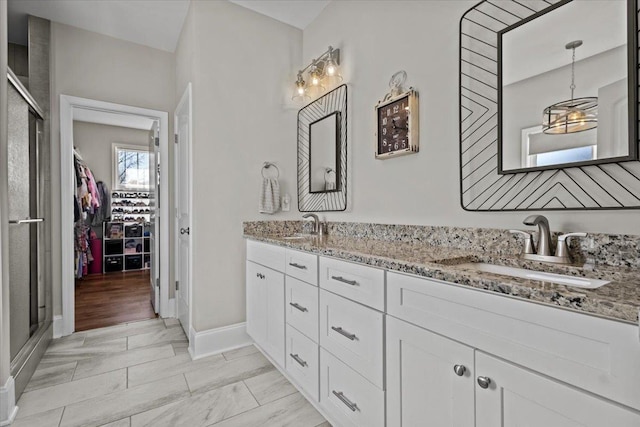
x,y
215,341
171,308
58,326
8,408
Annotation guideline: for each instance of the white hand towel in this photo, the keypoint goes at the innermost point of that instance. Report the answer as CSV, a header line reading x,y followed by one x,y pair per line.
x,y
270,196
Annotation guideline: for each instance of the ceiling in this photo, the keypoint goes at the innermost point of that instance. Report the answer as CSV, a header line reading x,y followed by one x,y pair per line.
x,y
153,23
539,45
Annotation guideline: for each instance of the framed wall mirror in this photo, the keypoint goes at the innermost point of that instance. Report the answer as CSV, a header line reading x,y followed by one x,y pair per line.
x,y
322,153
564,81
324,162
548,105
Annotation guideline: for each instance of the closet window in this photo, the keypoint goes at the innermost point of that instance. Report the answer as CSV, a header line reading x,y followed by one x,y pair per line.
x,y
131,168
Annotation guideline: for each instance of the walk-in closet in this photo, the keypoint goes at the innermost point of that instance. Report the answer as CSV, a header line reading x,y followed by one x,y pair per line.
x,y
113,210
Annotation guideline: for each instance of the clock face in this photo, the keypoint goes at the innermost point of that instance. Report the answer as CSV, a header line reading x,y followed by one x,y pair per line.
x,y
393,126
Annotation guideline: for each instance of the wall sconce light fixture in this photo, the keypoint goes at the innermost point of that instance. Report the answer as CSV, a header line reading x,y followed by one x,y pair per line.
x,y
322,73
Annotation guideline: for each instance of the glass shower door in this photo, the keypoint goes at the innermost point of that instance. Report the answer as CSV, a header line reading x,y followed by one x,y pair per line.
x,y
25,282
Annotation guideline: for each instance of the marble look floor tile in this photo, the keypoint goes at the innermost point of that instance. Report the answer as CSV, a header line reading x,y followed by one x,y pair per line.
x,y
144,418
70,341
123,331
171,322
65,394
230,372
163,336
180,347
125,422
290,411
269,386
124,359
201,409
48,376
116,406
324,424
84,352
164,368
240,352
44,419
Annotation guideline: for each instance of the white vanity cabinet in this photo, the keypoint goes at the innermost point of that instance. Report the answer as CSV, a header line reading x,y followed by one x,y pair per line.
x,y
266,298
429,377
575,356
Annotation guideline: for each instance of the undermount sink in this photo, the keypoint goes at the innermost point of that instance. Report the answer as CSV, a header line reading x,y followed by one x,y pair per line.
x,y
561,279
298,237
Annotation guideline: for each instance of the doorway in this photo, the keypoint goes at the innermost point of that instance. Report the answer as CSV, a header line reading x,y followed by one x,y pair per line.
x,y
113,209
140,234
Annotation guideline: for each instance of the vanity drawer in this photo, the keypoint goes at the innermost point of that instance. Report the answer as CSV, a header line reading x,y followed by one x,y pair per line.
x,y
589,352
303,266
271,256
303,361
348,397
354,281
354,334
302,307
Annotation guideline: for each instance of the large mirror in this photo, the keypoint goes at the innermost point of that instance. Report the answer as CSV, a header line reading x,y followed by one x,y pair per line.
x,y
507,160
564,87
322,153
324,164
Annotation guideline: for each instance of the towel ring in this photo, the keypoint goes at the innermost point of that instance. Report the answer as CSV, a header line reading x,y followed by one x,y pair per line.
x,y
267,165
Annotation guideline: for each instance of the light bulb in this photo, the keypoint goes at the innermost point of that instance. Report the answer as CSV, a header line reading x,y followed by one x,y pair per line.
x,y
300,90
331,69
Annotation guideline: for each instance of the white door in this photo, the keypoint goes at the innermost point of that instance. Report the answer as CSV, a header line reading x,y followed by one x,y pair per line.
x,y
154,218
183,209
428,378
516,397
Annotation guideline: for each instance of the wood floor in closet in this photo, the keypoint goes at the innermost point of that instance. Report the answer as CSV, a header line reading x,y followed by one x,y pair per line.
x,y
111,299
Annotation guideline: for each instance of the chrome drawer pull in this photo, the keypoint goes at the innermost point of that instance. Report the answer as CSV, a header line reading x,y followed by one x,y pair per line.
x,y
260,276
297,359
298,306
346,401
344,333
343,280
301,267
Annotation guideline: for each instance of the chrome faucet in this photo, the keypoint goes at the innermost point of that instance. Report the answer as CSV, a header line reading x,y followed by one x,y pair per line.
x,y
544,234
544,242
317,226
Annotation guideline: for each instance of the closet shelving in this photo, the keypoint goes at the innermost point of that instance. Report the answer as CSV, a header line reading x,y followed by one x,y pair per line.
x,y
126,246
131,206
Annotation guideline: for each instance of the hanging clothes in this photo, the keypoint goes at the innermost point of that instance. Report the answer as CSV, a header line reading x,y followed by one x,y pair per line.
x,y
89,201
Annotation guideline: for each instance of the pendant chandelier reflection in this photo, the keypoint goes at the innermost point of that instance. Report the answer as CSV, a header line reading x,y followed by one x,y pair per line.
x,y
574,115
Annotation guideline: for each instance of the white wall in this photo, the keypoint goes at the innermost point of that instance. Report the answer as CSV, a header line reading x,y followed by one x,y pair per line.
x,y
95,142
90,65
241,65
423,188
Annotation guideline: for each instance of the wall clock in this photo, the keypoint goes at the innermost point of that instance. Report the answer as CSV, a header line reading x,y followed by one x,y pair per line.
x,y
397,120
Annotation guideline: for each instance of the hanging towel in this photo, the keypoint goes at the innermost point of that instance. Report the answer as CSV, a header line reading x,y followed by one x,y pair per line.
x,y
269,196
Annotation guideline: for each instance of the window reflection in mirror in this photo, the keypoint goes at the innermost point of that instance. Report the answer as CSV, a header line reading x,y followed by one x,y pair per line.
x,y
325,149
536,73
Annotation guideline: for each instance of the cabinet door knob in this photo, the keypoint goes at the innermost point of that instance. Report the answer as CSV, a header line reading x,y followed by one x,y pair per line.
x,y
459,370
484,382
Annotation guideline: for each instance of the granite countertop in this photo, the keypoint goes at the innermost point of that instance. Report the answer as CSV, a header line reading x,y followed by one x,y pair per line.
x,y
619,300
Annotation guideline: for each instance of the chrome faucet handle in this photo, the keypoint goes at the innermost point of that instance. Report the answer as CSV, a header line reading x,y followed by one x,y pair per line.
x,y
562,249
529,247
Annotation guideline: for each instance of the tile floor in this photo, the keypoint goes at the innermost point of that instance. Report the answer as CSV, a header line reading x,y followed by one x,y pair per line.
x,y
140,374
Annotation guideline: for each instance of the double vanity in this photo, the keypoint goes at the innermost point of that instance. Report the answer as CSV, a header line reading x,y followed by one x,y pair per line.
x,y
397,331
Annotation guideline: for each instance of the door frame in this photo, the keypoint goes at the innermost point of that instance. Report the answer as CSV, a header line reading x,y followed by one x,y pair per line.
x,y
186,101
92,110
